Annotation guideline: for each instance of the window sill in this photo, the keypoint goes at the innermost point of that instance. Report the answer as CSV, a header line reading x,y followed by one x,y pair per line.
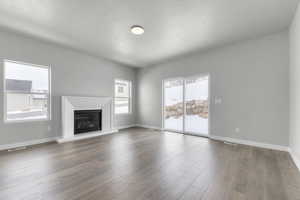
x,y
26,120
122,114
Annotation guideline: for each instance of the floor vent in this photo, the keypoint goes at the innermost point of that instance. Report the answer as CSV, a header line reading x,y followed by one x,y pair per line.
x,y
229,143
17,149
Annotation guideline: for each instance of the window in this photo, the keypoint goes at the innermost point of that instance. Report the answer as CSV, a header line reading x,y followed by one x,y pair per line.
x,y
26,92
122,97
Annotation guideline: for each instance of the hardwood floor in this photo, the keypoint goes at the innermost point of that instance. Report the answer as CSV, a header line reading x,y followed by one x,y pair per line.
x,y
144,164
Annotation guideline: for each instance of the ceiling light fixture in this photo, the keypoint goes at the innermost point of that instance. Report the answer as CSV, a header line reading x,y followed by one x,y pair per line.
x,y
137,30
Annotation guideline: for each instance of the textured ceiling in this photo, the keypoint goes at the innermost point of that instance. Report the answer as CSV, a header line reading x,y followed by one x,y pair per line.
x,y
172,27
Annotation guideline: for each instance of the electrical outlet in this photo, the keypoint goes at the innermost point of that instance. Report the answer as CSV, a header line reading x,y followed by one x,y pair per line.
x,y
218,100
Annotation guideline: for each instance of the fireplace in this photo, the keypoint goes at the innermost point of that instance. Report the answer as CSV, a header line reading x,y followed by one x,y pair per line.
x,y
87,120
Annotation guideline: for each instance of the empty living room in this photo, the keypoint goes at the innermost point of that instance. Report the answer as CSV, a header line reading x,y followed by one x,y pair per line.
x,y
150,100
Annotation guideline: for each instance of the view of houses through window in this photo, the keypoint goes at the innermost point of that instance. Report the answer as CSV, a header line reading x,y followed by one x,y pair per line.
x,y
26,91
122,97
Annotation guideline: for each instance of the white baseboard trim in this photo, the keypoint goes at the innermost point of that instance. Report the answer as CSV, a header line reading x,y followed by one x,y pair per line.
x,y
149,127
86,136
295,158
126,126
26,143
250,143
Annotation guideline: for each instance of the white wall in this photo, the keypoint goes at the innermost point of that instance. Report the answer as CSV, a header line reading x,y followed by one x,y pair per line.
x,y
295,85
73,73
250,76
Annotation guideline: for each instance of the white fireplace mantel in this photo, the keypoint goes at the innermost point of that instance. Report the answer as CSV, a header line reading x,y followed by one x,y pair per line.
x,y
72,103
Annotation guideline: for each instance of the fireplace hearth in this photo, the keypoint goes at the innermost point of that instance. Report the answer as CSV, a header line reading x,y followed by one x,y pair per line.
x,y
87,121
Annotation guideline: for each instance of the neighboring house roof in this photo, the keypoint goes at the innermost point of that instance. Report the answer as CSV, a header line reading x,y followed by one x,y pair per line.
x,y
18,85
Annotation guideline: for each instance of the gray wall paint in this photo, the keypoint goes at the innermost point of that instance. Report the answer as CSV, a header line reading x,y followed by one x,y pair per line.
x,y
73,73
251,77
295,85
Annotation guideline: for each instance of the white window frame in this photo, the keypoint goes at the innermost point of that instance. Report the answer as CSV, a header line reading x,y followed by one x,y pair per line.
x,y
5,93
129,98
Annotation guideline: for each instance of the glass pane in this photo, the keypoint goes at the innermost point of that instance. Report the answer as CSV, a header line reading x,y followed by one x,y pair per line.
x,y
173,101
121,105
196,99
26,78
122,88
26,106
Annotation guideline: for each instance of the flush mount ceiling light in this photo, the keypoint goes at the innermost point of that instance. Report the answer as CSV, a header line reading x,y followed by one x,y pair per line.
x,y
137,30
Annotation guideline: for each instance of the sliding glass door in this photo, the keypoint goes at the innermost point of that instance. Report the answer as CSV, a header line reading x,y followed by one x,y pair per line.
x,y
196,105
186,105
173,105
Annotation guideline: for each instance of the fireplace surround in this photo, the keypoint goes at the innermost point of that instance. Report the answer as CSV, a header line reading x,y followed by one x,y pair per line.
x,y
101,121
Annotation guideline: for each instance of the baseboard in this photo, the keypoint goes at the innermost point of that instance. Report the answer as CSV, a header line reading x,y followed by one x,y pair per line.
x,y
149,127
126,126
26,143
250,143
295,158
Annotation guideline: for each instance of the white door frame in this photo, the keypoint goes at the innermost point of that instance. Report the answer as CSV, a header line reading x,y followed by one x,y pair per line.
x,y
184,104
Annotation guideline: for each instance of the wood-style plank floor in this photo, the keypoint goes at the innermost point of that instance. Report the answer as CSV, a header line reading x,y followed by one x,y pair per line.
x,y
144,164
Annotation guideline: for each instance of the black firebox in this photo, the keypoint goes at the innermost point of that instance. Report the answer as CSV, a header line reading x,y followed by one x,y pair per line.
x,y
87,120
